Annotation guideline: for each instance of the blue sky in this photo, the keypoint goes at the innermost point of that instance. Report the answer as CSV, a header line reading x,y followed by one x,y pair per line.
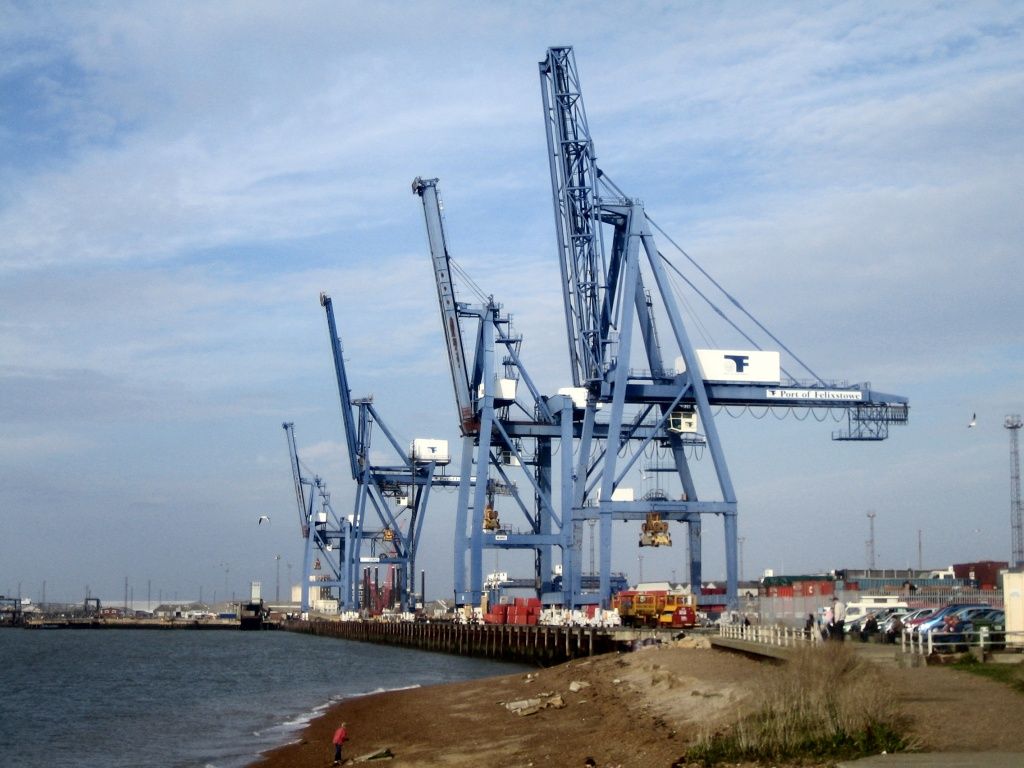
x,y
179,181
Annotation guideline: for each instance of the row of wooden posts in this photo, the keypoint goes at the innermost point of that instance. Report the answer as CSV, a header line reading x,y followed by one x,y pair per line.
x,y
541,645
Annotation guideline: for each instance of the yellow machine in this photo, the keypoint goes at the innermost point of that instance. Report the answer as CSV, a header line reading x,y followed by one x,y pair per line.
x,y
491,522
654,532
655,608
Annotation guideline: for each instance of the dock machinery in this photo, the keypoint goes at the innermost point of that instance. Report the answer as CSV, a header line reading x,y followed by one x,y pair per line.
x,y
395,494
326,537
505,499
606,255
574,450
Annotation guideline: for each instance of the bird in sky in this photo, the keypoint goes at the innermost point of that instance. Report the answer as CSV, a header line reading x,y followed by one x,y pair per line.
x,y
973,421
262,518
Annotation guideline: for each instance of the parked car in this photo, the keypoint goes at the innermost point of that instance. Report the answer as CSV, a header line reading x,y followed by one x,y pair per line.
x,y
918,615
857,627
937,621
994,621
886,625
914,618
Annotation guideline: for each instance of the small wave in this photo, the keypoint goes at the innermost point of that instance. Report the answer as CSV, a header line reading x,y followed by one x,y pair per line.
x,y
303,719
380,690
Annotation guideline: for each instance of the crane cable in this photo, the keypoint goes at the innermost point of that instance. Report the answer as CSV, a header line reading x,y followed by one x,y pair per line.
x,y
736,303
604,178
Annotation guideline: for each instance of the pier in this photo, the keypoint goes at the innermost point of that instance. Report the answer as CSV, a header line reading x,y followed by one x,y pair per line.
x,y
541,645
102,623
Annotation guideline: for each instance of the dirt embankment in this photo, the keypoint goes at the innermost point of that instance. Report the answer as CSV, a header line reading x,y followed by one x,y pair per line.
x,y
630,710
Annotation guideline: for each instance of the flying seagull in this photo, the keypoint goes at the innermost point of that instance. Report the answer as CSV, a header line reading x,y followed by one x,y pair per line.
x,y
262,518
973,420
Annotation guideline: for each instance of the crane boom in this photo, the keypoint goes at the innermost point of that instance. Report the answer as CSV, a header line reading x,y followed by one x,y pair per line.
x,y
427,190
300,494
574,177
344,393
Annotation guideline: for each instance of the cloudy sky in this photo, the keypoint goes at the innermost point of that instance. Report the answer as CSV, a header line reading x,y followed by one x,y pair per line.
x,y
179,181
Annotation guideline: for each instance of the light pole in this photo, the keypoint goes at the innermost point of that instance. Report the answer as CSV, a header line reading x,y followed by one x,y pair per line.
x,y
871,542
593,562
741,541
277,588
227,568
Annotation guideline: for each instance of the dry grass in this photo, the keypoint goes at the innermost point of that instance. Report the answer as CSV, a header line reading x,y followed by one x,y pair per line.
x,y
826,702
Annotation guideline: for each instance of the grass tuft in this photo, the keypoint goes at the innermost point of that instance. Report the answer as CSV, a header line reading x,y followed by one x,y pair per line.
x,y
825,703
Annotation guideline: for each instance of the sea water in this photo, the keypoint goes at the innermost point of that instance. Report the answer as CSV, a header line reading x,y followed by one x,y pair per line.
x,y
182,698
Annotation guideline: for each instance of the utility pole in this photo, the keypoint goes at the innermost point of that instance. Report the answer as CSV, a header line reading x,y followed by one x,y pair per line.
x,y
920,565
741,540
871,541
1013,423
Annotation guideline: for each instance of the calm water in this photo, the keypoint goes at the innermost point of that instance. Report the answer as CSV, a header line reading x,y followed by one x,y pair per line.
x,y
133,698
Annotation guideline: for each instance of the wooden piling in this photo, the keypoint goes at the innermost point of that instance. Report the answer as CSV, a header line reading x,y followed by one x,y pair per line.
x,y
530,644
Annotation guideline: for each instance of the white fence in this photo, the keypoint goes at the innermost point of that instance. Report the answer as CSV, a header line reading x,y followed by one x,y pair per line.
x,y
782,636
912,643
961,642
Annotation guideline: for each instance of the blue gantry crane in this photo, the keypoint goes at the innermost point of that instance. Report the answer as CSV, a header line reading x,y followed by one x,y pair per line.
x,y
391,500
633,390
327,549
500,409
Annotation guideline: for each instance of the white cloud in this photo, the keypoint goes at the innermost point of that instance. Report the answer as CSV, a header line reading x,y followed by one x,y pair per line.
x,y
182,180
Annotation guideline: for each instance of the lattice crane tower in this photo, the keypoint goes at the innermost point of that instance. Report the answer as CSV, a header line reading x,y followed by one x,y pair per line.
x,y
1013,423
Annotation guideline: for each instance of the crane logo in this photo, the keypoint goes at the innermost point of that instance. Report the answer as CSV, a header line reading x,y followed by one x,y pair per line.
x,y
741,361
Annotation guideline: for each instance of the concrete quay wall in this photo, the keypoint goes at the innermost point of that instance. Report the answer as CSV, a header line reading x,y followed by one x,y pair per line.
x,y
508,642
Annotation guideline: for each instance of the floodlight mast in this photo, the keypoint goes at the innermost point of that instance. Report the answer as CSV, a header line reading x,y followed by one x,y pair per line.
x,y
1013,424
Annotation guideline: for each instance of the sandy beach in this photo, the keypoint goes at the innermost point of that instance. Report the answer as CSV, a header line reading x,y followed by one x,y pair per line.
x,y
631,710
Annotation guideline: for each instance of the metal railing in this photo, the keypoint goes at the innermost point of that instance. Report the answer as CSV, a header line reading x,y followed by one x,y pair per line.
x,y
985,639
934,642
781,636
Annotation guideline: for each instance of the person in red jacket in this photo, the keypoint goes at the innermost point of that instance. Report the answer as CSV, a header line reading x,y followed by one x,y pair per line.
x,y
340,737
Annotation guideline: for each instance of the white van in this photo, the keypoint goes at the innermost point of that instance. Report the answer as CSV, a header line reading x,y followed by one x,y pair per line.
x,y
866,604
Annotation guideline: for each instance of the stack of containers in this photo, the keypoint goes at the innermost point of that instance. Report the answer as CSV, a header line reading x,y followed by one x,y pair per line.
x,y
497,615
525,610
